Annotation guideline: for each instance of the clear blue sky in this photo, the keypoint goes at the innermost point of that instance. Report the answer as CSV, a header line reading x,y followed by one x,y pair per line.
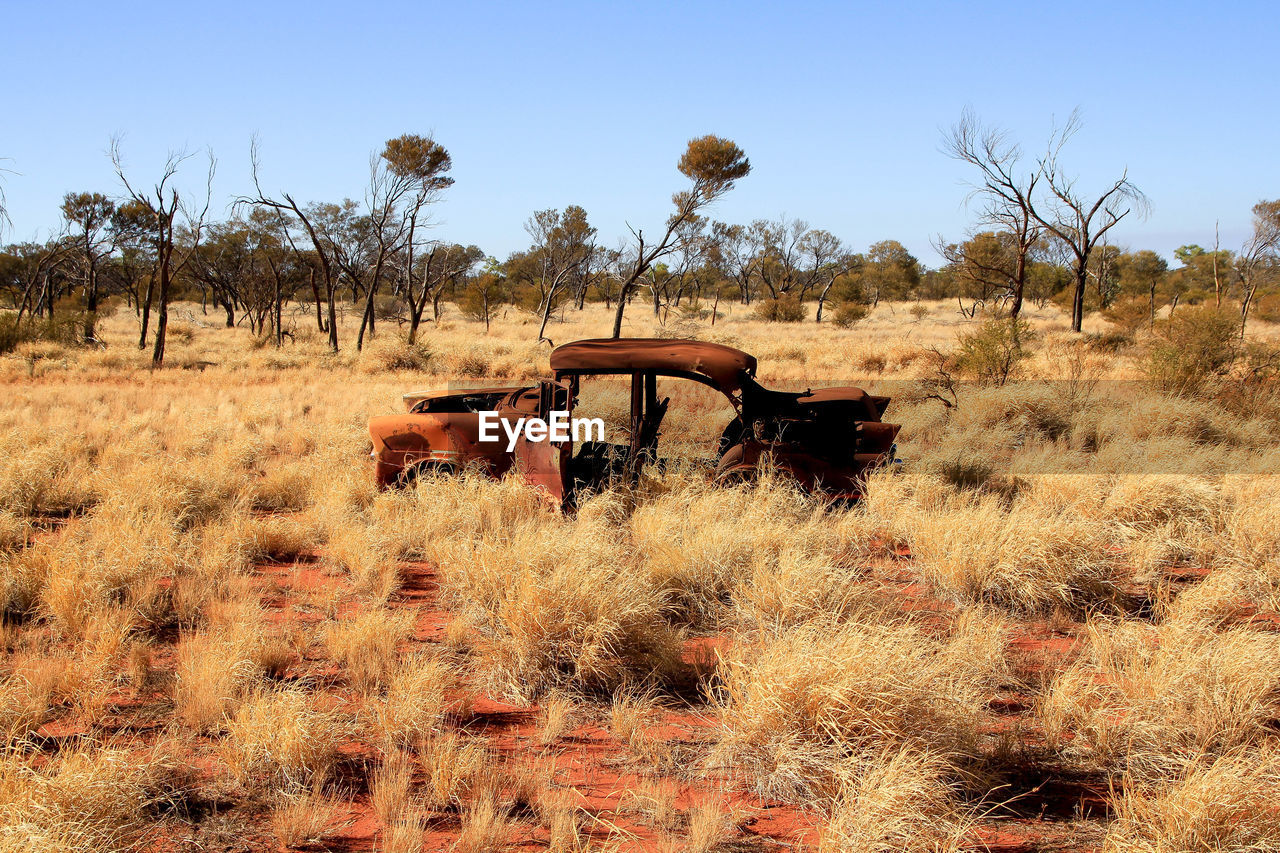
x,y
839,106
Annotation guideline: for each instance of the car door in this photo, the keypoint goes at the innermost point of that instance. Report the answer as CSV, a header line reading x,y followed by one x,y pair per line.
x,y
545,463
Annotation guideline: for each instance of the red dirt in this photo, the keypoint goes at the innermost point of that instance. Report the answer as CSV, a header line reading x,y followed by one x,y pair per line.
x,y
1051,812
600,770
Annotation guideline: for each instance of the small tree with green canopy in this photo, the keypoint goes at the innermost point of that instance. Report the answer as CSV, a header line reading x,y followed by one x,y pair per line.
x,y
88,217
713,164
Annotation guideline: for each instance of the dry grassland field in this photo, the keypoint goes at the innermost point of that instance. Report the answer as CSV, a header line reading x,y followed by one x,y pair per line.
x,y
1055,626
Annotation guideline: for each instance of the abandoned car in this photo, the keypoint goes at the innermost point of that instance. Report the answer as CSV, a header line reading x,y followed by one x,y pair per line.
x,y
825,439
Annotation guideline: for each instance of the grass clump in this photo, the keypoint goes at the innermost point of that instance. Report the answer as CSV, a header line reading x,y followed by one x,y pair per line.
x,y
798,708
281,741
1223,803
1147,699
87,800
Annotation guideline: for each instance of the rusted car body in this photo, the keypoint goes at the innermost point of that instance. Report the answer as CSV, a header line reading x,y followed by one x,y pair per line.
x,y
826,440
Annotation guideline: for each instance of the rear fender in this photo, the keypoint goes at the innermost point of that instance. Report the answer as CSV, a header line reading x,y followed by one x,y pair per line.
x,y
446,440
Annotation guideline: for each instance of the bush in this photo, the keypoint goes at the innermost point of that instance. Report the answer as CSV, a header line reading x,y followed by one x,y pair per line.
x,y
65,329
787,309
1130,313
1191,348
396,355
1108,342
992,352
850,313
473,306
389,307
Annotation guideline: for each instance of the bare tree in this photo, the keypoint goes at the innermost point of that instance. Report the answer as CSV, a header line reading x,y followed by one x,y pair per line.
x,y
165,205
1261,252
739,252
41,263
443,265
322,250
1070,216
713,164
1005,192
4,203
780,243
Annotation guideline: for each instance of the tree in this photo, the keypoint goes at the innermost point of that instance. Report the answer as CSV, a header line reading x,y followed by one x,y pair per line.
x,y
37,265
321,249
988,263
485,292
1005,191
165,206
826,260
891,270
1260,254
4,205
443,265
1073,218
420,162
780,246
713,165
88,216
1143,272
737,253
563,246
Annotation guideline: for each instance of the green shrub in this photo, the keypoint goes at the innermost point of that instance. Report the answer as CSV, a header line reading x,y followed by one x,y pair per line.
x,y
473,306
1129,313
1192,348
992,352
1108,342
66,329
849,313
388,306
786,309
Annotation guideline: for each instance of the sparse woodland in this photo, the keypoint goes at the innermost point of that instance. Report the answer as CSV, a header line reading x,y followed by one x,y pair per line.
x,y
1054,627
1037,237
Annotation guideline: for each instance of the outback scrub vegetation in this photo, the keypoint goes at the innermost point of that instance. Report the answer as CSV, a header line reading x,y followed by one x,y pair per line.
x,y
1053,626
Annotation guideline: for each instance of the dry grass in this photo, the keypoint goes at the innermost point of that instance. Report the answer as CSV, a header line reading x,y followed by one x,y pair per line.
x,y
415,704
794,709
280,741
557,718
1148,699
134,506
404,833
559,607
486,826
89,800
308,817
899,800
390,786
365,645
1227,803
456,768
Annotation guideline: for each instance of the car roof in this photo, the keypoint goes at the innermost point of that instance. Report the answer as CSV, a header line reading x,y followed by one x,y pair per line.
x,y
717,364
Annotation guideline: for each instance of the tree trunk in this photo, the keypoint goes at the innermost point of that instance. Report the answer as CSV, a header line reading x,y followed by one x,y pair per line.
x,y
1019,283
146,309
1077,299
315,292
333,318
162,312
617,316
